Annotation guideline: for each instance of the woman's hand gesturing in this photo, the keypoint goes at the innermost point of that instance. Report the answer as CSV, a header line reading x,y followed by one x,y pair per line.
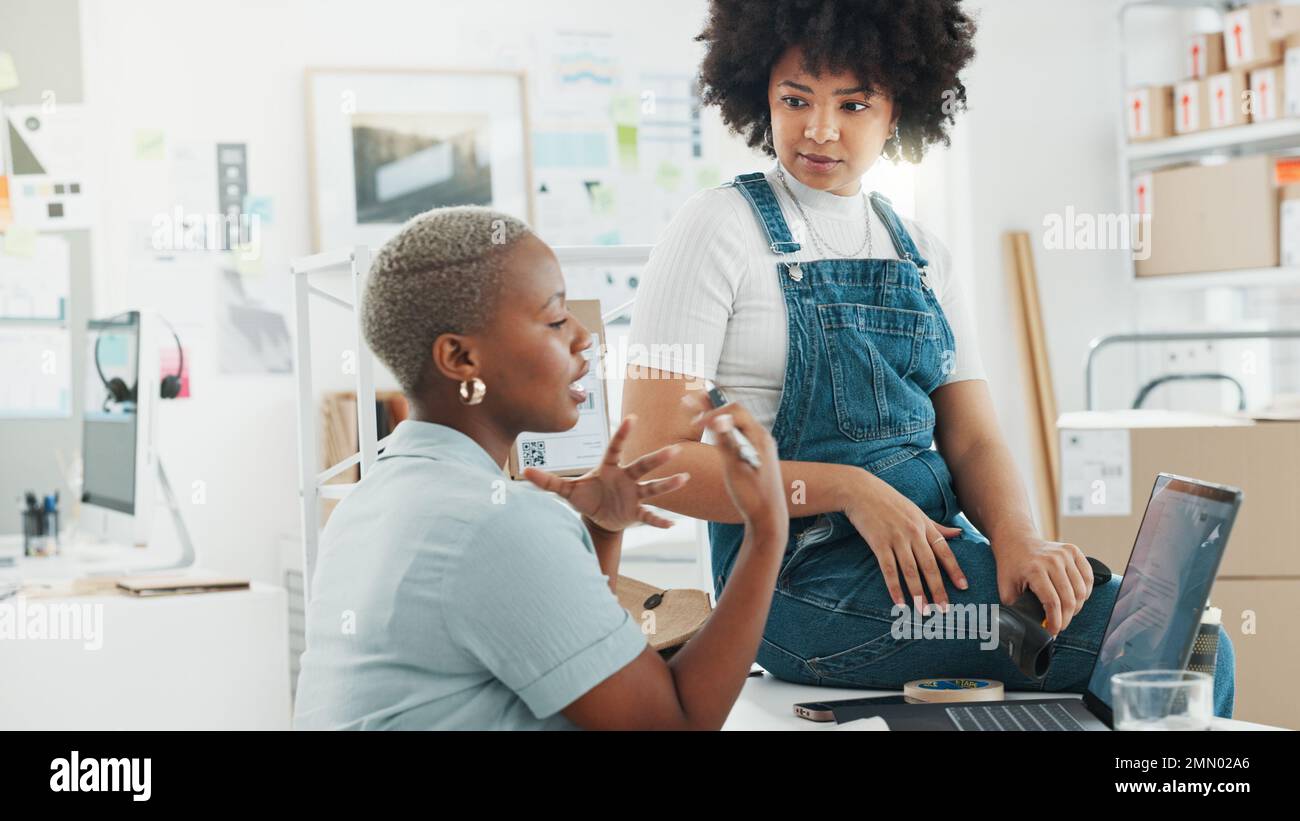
x,y
610,495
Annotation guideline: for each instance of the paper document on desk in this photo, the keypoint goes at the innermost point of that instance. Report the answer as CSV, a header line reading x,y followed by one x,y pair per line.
x,y
870,725
147,586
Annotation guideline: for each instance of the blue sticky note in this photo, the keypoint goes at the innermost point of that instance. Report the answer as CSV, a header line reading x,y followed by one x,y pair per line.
x,y
261,207
112,349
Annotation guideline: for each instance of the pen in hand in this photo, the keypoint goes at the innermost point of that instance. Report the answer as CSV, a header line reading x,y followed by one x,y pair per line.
x,y
747,450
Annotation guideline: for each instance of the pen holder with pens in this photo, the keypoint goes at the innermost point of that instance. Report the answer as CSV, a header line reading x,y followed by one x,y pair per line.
x,y
40,531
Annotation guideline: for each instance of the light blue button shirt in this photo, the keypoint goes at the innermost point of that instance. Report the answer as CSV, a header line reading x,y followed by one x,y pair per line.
x,y
447,596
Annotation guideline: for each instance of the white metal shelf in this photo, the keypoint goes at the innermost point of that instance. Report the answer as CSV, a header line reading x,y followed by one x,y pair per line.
x,y
1238,139
1242,278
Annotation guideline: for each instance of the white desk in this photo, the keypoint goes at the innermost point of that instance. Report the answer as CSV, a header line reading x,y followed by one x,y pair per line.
x,y
768,704
201,661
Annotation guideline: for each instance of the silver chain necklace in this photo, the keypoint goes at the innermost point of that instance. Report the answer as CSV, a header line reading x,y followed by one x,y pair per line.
x,y
820,241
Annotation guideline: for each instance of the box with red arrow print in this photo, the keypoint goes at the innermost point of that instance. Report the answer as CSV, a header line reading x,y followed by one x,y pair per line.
x,y
1191,110
1203,55
1283,21
1267,90
1226,97
1291,76
1247,40
1148,112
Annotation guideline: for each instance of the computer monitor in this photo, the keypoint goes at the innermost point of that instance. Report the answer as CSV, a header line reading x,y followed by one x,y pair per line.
x,y
117,499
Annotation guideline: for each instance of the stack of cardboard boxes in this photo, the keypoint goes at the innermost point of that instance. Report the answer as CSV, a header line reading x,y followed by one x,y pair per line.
x,y
1109,462
1229,215
1249,72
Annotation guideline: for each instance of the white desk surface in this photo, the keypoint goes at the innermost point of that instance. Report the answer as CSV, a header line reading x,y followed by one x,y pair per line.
x,y
80,562
199,661
767,703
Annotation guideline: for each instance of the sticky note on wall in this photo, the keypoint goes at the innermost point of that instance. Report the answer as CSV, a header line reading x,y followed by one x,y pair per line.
x,y
6,210
8,71
150,144
20,241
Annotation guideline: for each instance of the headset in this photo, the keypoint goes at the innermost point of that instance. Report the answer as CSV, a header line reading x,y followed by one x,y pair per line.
x,y
169,388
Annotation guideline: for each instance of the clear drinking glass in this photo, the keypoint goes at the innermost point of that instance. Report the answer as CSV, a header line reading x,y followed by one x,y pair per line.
x,y
1162,700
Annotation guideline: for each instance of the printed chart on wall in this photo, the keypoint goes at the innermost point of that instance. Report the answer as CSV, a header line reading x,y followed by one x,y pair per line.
x,y
35,369
213,239
617,149
47,185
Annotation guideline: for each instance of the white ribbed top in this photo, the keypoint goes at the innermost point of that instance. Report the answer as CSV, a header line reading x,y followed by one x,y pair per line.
x,y
709,303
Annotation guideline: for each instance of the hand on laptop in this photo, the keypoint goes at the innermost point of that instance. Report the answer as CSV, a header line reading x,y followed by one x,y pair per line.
x,y
1058,573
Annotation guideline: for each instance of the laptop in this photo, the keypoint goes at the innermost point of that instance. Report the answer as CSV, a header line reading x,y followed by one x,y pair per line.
x,y
1152,626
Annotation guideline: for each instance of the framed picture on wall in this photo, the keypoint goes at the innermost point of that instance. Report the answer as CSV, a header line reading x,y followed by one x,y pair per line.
x,y
387,144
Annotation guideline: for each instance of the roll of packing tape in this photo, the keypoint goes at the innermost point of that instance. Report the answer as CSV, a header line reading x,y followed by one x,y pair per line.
x,y
952,689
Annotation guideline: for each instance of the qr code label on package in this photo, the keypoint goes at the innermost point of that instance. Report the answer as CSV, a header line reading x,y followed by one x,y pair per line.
x,y
1096,471
533,453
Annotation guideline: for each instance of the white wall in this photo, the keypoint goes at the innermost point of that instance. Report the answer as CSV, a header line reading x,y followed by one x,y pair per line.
x,y
1039,136
235,72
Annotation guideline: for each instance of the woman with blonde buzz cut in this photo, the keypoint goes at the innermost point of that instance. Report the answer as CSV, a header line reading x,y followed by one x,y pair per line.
x,y
447,596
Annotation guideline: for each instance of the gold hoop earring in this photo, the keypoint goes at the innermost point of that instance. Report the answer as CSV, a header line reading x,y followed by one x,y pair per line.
x,y
471,391
898,144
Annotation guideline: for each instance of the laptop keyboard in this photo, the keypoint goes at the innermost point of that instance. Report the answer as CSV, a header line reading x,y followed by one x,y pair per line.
x,y
1014,716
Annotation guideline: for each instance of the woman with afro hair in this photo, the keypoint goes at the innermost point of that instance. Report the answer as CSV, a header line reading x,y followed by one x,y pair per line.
x,y
841,326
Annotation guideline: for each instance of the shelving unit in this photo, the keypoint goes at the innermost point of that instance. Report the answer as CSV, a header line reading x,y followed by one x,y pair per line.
x,y
1281,277
1277,136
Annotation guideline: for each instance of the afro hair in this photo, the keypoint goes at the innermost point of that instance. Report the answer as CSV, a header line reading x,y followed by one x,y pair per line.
x,y
912,50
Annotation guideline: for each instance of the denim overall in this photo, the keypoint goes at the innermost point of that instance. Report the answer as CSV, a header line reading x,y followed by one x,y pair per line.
x,y
868,343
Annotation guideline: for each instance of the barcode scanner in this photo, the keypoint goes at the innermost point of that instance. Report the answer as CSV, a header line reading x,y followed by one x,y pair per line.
x,y
1022,630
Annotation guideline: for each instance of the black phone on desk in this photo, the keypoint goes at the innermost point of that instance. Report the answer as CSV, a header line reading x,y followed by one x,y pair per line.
x,y
849,709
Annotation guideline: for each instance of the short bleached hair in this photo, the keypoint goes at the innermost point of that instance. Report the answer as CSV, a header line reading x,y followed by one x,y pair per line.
x,y
440,274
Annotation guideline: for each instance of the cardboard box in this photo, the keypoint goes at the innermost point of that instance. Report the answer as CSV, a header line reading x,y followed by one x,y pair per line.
x,y
1289,226
1208,217
1124,450
1246,40
1260,617
1226,96
1191,112
1291,76
1267,95
573,452
1203,55
1286,170
1148,112
1283,20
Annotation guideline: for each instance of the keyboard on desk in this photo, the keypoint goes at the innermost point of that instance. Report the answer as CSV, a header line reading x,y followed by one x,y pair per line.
x,y
1033,716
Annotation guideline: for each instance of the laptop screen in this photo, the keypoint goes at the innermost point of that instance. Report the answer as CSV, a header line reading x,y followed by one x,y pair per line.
x,y
1168,580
